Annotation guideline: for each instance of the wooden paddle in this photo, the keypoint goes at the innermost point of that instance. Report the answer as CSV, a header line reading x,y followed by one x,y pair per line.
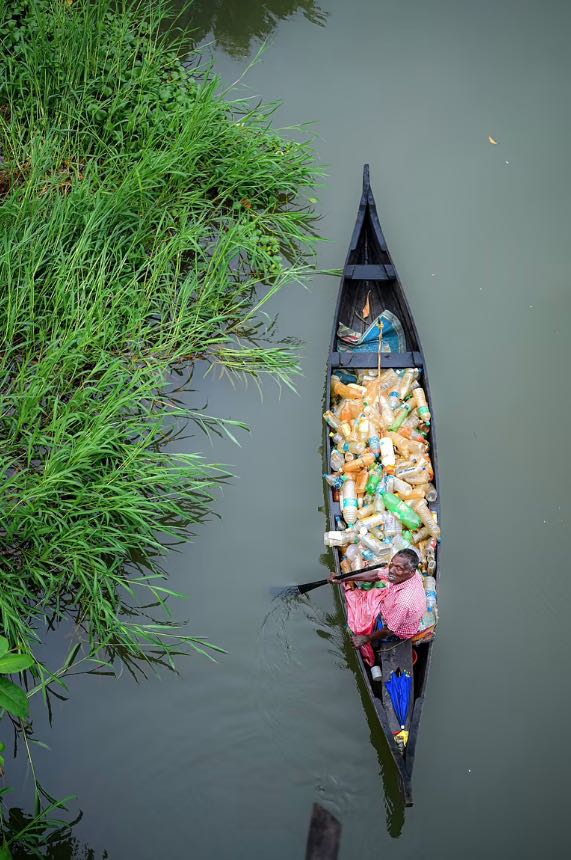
x,y
292,590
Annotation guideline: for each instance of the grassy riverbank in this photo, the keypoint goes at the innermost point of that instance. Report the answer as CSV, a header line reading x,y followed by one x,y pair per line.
x,y
145,221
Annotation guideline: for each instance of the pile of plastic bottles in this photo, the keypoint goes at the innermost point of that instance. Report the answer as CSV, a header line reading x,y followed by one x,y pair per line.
x,y
381,472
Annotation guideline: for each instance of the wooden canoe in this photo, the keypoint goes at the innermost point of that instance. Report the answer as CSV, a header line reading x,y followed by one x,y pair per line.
x,y
369,274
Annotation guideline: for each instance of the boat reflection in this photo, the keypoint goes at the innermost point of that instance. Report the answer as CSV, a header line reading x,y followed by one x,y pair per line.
x,y
394,801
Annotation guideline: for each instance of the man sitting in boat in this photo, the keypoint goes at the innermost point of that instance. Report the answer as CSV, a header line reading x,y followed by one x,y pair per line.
x,y
393,610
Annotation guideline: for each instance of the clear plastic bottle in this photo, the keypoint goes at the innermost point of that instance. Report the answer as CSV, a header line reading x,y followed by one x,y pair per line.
x,y
430,553
419,398
332,420
386,413
378,503
353,555
391,525
335,481
431,493
421,535
428,620
363,428
374,443
402,488
349,502
370,542
416,473
352,447
387,485
412,421
336,461
418,492
388,458
365,511
373,520
346,430
399,542
394,401
380,550
422,509
429,583
389,381
408,377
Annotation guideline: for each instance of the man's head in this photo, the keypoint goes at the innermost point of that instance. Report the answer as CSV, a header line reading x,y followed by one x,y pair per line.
x,y
402,566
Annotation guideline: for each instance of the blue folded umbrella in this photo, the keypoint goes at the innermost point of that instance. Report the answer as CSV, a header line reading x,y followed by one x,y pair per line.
x,y
399,686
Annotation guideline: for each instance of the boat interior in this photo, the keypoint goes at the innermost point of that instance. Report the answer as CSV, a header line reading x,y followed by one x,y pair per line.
x,y
375,296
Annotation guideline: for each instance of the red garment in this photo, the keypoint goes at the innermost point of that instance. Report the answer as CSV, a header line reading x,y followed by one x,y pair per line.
x,y
403,605
362,610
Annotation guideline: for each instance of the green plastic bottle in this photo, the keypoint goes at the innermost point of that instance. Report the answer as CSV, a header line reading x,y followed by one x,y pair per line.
x,y
402,413
373,482
408,517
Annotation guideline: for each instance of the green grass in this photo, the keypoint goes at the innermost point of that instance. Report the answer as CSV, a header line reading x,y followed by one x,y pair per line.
x,y
145,222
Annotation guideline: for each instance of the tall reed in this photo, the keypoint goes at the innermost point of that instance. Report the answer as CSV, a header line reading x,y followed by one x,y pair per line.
x,y
146,220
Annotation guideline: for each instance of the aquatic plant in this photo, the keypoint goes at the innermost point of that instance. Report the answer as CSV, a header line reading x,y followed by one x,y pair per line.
x,y
145,222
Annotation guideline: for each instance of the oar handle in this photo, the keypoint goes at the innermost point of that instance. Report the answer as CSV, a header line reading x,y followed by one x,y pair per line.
x,y
363,570
309,586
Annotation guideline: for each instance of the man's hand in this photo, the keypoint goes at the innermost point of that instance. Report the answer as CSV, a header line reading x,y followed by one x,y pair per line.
x,y
359,640
333,578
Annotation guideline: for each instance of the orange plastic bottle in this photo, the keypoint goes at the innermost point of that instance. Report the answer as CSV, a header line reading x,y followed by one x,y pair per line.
x,y
351,391
362,462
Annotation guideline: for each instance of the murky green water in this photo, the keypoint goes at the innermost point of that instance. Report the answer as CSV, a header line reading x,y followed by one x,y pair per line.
x,y
226,760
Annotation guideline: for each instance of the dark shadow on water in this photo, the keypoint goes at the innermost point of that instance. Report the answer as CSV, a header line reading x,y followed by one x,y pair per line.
x,y
331,627
394,801
52,842
236,24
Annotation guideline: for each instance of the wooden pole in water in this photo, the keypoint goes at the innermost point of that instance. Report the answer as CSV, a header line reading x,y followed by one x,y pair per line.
x,y
324,835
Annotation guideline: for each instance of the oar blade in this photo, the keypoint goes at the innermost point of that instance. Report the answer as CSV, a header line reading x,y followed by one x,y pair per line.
x,y
280,591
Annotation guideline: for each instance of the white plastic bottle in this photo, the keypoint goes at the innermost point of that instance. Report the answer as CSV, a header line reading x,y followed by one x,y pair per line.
x,y
336,538
349,502
388,458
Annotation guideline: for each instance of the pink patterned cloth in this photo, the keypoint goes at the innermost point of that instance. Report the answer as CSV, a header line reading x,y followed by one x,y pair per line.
x,y
402,607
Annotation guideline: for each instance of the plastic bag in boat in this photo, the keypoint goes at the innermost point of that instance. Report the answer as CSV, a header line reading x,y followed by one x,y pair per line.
x,y
368,341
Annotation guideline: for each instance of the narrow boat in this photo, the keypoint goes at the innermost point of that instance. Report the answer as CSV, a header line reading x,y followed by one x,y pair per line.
x,y
370,282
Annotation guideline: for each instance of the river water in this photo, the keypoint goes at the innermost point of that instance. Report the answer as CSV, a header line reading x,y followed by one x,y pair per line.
x,y
226,760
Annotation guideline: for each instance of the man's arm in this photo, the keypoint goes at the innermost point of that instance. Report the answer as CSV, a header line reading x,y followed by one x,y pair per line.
x,y
373,576
372,637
